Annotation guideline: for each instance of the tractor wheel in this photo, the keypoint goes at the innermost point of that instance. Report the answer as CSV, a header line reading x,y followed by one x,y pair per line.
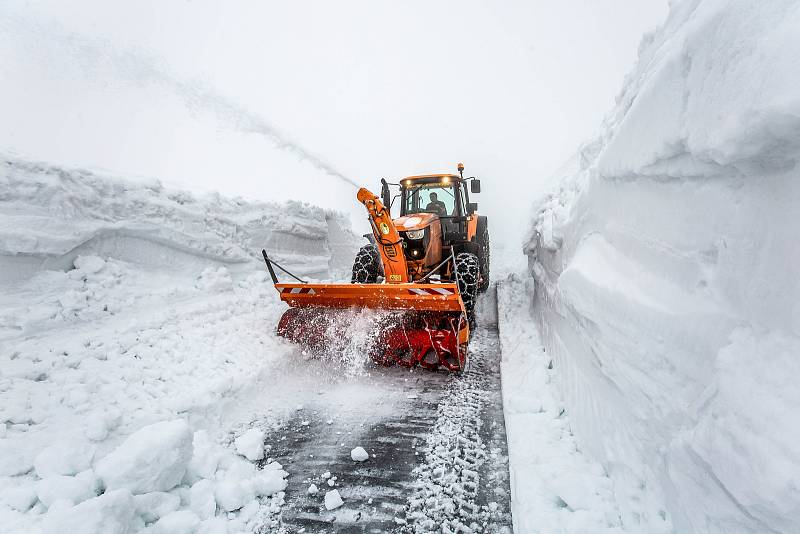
x,y
482,239
467,274
367,265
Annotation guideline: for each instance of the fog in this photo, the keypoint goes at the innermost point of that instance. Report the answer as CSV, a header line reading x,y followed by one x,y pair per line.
x,y
305,100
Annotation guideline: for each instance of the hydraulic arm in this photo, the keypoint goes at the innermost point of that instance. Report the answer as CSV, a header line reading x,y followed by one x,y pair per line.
x,y
386,237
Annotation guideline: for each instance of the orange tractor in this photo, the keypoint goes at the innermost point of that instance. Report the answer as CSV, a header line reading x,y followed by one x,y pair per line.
x,y
428,265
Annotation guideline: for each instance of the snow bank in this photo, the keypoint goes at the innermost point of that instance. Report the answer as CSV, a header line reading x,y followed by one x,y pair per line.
x,y
555,487
136,344
50,215
666,272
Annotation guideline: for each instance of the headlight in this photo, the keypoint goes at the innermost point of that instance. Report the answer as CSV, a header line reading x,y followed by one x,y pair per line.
x,y
415,234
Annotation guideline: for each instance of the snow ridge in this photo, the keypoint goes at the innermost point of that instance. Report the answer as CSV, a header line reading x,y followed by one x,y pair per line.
x,y
50,215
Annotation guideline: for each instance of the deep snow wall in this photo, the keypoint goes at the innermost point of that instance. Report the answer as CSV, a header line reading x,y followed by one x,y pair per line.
x,y
666,270
50,215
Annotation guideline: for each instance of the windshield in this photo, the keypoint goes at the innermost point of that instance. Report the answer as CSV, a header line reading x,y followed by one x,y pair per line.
x,y
430,198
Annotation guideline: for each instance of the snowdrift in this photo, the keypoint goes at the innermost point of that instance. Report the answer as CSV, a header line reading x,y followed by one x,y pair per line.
x,y
50,215
137,348
666,271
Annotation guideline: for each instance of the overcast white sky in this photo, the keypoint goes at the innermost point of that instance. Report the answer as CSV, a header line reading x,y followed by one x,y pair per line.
x,y
270,100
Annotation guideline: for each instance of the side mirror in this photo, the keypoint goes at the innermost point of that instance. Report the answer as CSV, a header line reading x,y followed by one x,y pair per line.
x,y
472,207
386,196
474,186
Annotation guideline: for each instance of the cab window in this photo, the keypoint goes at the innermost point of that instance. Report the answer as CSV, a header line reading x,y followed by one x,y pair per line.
x,y
432,198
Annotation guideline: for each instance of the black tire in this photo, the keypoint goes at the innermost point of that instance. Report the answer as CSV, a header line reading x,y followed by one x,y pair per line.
x,y
482,240
367,265
467,275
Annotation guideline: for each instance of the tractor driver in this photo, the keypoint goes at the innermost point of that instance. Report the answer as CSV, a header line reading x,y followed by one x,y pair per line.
x,y
436,206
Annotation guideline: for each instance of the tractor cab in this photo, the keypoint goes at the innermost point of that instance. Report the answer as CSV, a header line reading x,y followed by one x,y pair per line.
x,y
436,218
445,196
437,194
442,195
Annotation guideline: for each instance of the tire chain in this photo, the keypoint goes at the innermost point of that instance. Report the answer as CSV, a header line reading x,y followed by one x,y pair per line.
x,y
484,259
366,266
468,274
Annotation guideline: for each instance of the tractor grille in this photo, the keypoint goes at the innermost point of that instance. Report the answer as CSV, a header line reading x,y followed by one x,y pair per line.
x,y
415,248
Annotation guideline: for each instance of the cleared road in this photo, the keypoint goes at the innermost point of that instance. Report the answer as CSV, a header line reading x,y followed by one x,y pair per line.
x,y
439,464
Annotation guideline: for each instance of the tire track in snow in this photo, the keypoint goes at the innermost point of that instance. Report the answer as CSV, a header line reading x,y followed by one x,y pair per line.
x,y
375,492
440,464
464,482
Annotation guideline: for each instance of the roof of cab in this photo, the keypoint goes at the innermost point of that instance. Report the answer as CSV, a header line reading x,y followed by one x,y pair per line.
x,y
432,177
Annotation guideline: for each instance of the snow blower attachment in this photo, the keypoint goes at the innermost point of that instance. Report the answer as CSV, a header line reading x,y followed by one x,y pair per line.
x,y
424,269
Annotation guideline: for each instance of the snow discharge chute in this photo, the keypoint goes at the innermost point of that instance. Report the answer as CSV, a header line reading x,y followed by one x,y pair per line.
x,y
428,295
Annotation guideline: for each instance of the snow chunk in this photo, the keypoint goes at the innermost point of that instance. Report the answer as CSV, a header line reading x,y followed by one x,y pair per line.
x,y
14,460
111,513
359,454
205,457
248,512
153,459
268,482
333,500
20,499
74,489
89,264
202,499
215,525
96,427
155,505
237,469
251,444
313,489
181,522
98,424
273,466
233,494
64,459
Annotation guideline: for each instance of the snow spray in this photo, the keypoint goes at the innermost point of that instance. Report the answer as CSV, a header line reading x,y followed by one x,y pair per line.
x,y
140,68
347,338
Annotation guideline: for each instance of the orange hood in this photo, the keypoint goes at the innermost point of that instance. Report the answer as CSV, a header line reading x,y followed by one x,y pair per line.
x,y
416,221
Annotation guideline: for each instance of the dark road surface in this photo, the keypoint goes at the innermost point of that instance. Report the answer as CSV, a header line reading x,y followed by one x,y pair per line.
x,y
439,466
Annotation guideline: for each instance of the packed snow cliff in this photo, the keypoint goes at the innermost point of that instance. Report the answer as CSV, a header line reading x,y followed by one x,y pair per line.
x,y
137,351
666,271
50,215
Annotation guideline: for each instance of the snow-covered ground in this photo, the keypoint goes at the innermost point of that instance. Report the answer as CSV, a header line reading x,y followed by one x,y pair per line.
x,y
136,344
666,276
